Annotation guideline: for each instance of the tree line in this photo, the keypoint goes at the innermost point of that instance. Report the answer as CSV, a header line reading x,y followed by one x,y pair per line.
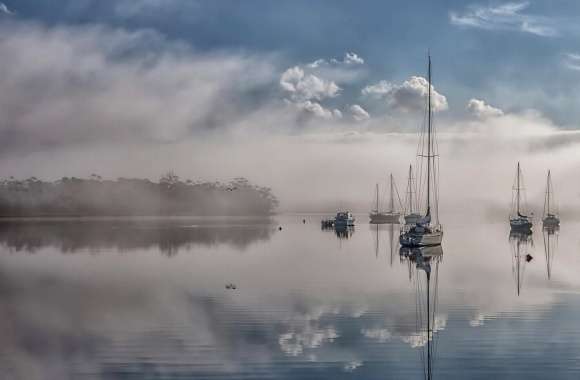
x,y
170,196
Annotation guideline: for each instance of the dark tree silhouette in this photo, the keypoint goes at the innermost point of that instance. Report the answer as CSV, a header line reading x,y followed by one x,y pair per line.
x,y
96,196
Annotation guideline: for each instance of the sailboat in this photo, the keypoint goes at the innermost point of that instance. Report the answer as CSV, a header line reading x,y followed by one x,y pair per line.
x,y
550,219
426,231
411,216
518,220
390,216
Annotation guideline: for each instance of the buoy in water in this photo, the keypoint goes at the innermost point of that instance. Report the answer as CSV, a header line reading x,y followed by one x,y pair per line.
x,y
280,228
529,258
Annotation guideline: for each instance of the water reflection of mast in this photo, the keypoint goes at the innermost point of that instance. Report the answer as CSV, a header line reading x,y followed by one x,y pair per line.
x,y
550,245
377,241
520,256
391,236
424,258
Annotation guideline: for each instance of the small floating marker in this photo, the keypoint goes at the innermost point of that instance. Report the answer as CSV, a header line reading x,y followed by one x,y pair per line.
x,y
529,258
280,228
303,221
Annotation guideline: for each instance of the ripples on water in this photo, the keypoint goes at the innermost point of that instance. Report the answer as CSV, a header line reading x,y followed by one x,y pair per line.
x,y
146,299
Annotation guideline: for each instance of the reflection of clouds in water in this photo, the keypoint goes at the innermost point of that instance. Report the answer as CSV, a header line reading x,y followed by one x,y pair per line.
x,y
296,342
477,321
381,335
305,331
415,339
351,366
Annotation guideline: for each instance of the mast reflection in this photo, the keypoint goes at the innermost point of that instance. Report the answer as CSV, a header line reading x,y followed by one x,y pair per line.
x,y
425,260
520,241
392,232
550,246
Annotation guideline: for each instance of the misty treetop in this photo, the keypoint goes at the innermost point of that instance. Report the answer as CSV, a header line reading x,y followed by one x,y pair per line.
x,y
96,196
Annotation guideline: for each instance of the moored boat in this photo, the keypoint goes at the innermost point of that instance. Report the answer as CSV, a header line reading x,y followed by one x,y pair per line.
x,y
519,221
344,219
550,218
426,231
411,216
390,216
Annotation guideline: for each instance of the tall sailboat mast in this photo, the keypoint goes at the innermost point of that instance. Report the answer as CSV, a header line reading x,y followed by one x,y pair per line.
x,y
377,204
518,190
429,140
392,204
410,189
548,196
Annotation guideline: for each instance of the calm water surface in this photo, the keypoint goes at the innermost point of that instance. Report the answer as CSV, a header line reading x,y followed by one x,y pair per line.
x,y
146,299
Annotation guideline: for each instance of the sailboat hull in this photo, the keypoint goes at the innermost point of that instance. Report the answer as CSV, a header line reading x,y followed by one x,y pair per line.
x,y
385,218
424,239
551,221
520,224
412,219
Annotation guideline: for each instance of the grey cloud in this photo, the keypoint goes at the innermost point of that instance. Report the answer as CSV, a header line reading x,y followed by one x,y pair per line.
x,y
4,9
76,84
572,61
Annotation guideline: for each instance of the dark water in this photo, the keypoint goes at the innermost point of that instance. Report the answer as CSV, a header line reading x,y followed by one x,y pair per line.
x,y
146,299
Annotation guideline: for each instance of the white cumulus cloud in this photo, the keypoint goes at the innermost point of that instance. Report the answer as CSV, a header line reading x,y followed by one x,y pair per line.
x,y
411,95
480,109
378,90
353,59
358,113
302,86
315,109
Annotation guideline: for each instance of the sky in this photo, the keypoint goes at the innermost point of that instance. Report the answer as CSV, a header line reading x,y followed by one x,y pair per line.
x,y
318,100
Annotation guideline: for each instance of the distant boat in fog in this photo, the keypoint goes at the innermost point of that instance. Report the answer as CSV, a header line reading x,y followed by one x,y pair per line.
x,y
343,219
391,215
550,218
411,214
519,221
427,231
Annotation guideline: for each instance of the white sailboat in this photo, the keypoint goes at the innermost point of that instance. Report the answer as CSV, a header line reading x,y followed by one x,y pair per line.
x,y
411,216
519,221
426,231
390,216
550,218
